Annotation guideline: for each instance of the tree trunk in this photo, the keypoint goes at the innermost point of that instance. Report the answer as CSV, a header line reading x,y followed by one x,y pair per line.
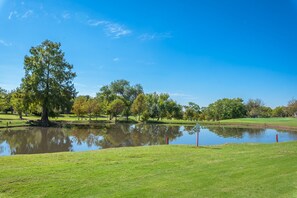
x,y
44,116
21,115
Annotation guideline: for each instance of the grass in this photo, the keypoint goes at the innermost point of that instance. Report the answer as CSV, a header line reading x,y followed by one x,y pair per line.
x,y
261,122
243,170
290,123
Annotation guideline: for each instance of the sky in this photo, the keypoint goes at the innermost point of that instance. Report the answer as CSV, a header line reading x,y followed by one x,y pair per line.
x,y
195,50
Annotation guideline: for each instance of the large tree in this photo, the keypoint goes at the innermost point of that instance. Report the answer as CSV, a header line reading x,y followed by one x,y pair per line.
x,y
48,78
120,89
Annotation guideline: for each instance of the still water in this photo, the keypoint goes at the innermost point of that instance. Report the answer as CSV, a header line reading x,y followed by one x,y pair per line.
x,y
47,140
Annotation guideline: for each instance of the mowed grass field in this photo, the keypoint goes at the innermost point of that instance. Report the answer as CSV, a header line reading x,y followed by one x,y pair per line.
x,y
233,170
290,122
13,120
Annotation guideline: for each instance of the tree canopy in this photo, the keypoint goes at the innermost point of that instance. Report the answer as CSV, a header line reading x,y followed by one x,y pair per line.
x,y
48,78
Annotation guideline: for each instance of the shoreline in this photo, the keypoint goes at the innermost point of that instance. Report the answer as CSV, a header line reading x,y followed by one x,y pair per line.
x,y
93,123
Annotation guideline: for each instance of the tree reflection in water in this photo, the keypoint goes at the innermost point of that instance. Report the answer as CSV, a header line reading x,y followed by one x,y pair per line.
x,y
36,140
48,140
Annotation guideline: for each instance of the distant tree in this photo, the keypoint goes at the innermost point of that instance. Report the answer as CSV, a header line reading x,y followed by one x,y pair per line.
x,y
292,107
127,93
254,108
280,112
3,95
139,105
98,107
192,111
116,107
18,102
226,109
158,105
48,78
79,106
90,106
5,103
173,110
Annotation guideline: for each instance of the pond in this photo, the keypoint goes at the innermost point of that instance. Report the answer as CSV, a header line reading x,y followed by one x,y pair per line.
x,y
31,140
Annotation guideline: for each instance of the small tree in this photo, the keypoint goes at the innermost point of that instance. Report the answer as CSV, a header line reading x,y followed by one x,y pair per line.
x,y
116,107
139,105
79,106
18,101
292,107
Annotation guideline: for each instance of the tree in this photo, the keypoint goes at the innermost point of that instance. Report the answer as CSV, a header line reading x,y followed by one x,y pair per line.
x,y
139,105
120,89
3,94
18,102
226,109
280,112
292,107
116,107
254,108
48,78
173,110
79,106
5,98
127,93
192,111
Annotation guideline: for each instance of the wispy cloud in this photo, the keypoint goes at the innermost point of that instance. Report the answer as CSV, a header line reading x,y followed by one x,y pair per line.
x,y
182,95
27,14
66,15
111,29
116,59
16,14
6,44
12,14
153,36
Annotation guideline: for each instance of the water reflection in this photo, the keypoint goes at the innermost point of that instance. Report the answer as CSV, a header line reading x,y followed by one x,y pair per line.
x,y
47,140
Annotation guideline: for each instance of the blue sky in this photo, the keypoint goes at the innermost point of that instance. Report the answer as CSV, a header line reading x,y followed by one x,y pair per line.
x,y
195,50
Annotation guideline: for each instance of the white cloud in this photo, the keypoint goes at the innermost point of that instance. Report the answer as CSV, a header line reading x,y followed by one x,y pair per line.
x,y
66,15
12,14
16,14
153,36
111,29
183,95
27,14
116,59
6,44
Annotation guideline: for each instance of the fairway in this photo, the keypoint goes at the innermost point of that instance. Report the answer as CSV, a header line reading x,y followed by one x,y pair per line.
x,y
244,170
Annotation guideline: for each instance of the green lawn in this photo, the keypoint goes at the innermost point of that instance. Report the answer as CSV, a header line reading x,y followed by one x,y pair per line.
x,y
243,170
285,122
13,120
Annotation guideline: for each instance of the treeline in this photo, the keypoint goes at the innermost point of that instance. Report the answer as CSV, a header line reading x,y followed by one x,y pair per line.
x,y
120,98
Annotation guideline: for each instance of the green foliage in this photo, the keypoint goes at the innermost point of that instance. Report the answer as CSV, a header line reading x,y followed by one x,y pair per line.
x,y
192,111
257,109
116,107
5,98
79,106
139,105
18,101
226,109
120,89
280,112
292,107
48,78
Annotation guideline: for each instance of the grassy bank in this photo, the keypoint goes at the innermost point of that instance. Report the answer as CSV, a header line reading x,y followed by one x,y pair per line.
x,y
285,123
245,170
